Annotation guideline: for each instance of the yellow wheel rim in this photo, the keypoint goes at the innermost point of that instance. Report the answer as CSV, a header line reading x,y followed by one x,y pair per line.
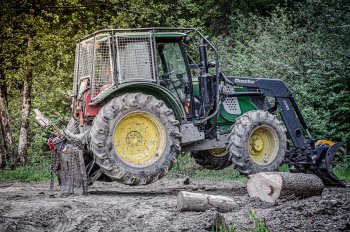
x,y
263,145
139,139
219,152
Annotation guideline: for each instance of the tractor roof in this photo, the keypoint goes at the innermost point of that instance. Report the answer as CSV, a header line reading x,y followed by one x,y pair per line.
x,y
158,32
150,34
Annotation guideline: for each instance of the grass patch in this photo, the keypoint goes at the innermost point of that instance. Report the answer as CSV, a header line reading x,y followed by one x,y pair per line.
x,y
259,225
343,172
33,172
223,228
186,166
342,168
284,168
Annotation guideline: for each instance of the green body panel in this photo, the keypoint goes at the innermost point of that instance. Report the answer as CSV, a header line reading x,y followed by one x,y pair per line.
x,y
226,119
147,88
195,87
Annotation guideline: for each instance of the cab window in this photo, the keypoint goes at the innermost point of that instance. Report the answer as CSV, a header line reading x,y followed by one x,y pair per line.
x,y
172,69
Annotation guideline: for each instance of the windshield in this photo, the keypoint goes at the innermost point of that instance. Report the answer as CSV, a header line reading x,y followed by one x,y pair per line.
x,y
172,69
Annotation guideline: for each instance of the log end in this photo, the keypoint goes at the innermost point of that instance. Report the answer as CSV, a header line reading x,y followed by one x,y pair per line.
x,y
180,201
265,186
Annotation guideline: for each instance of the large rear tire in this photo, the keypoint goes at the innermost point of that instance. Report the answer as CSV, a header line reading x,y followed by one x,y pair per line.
x,y
135,139
215,159
257,143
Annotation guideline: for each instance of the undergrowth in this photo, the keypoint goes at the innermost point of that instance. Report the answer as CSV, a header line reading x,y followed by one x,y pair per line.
x,y
186,166
32,172
223,228
342,174
258,224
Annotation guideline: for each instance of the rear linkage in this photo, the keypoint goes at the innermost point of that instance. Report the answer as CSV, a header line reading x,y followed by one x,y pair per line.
x,y
307,155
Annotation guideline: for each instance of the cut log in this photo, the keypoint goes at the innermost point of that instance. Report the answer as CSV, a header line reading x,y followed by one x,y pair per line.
x,y
188,201
271,186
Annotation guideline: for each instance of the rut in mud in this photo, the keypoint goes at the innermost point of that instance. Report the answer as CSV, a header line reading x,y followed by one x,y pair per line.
x,y
114,207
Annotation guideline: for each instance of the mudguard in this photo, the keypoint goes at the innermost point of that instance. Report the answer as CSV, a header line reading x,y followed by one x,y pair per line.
x,y
156,90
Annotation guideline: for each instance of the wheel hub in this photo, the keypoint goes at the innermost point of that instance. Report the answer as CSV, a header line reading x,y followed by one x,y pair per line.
x,y
134,139
139,139
263,145
258,144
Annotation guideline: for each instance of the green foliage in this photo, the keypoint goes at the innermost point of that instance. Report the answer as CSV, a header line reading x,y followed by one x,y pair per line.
x,y
259,225
284,168
36,172
308,47
342,168
223,228
38,149
186,166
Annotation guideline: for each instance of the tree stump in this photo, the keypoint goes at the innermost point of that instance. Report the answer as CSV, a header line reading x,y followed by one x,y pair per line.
x,y
188,201
271,186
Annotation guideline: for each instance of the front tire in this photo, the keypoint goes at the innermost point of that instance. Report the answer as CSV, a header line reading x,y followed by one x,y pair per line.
x,y
257,143
135,139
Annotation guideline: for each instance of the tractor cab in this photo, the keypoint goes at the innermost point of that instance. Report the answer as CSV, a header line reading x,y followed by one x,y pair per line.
x,y
111,60
172,69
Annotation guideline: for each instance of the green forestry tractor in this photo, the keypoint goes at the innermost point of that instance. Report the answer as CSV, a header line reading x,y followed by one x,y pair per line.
x,y
142,96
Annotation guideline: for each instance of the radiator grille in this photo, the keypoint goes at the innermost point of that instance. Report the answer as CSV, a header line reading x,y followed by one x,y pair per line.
x,y
231,104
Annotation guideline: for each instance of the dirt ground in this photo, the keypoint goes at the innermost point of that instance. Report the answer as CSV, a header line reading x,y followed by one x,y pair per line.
x,y
114,207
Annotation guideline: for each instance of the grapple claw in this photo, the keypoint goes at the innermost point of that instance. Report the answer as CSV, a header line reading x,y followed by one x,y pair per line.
x,y
323,166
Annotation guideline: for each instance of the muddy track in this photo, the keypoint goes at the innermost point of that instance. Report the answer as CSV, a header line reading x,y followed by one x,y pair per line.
x,y
114,207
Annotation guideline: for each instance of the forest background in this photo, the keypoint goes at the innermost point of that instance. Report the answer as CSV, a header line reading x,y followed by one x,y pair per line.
x,y
306,43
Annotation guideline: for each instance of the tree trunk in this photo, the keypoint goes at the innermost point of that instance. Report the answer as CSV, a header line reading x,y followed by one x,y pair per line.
x,y
5,127
269,187
26,106
188,201
2,148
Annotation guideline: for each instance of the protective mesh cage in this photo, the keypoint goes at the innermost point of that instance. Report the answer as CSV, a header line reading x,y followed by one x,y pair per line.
x,y
86,51
76,67
103,74
135,57
127,55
